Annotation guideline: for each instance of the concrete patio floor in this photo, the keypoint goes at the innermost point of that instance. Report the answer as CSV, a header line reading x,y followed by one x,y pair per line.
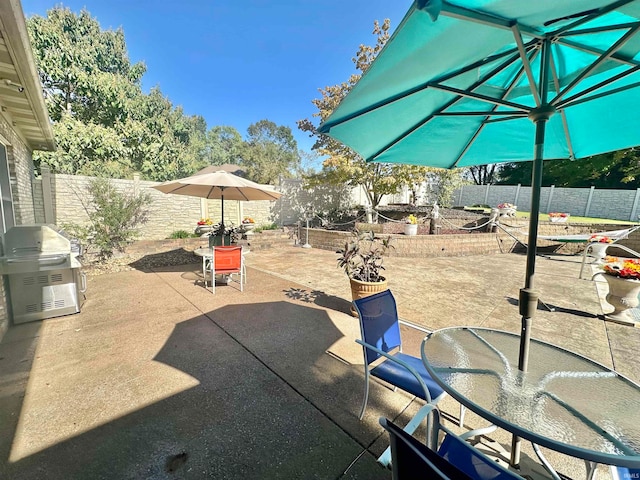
x,y
158,378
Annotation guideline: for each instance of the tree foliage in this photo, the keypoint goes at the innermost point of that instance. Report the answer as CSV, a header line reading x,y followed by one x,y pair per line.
x,y
224,146
104,125
483,174
619,169
343,165
270,151
82,67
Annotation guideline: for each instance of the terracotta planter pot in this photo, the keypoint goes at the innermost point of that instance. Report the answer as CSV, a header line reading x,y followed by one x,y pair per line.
x,y
623,295
365,289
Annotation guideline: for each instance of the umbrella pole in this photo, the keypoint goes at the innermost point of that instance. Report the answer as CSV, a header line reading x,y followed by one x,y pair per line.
x,y
528,297
222,212
528,303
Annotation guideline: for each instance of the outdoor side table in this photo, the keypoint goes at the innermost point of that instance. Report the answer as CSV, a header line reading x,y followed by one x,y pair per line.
x,y
564,401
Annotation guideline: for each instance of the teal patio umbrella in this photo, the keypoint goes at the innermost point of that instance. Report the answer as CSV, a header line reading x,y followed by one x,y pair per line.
x,y
472,82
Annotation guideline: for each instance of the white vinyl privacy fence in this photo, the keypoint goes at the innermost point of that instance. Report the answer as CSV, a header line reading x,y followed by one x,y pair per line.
x,y
584,202
61,199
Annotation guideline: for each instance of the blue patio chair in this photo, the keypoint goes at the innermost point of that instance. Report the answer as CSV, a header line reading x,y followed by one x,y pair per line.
x,y
454,459
624,473
380,333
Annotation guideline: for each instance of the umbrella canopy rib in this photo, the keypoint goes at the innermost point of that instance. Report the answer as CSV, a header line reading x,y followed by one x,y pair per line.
x,y
589,31
488,119
449,104
482,98
594,51
394,98
593,15
525,63
605,56
462,13
563,114
573,101
486,61
485,113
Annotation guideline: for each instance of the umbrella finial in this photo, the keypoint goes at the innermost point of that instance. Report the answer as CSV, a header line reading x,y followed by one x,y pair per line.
x,y
432,7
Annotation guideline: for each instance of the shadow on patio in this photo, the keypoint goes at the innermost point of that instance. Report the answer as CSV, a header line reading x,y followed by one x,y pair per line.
x,y
242,391
159,378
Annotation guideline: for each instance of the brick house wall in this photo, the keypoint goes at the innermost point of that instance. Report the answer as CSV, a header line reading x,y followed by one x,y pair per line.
x,y
21,175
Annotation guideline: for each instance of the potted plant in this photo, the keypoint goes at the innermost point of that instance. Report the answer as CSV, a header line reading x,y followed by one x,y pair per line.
x,y
507,209
598,246
223,235
623,277
411,225
248,224
557,217
361,259
205,225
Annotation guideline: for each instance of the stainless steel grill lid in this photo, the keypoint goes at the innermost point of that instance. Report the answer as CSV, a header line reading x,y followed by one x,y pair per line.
x,y
35,240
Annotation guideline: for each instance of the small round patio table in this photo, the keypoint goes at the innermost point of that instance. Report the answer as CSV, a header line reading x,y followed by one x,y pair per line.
x,y
564,402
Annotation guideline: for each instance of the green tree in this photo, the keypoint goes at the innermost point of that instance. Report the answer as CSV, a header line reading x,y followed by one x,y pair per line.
x,y
441,183
81,66
484,174
103,123
163,142
343,165
270,152
224,145
619,169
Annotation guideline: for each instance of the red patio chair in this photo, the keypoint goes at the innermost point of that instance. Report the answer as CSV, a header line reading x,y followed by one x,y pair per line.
x,y
224,261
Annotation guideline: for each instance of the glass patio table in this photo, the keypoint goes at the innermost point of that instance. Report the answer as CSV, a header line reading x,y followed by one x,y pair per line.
x,y
564,402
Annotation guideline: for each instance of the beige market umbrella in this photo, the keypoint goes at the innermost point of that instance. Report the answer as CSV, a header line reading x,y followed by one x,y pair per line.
x,y
219,185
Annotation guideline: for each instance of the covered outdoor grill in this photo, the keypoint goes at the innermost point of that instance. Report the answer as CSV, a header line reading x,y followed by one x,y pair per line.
x,y
44,275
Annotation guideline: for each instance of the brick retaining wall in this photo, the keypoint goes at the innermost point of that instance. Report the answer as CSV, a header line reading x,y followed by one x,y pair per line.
x,y
473,243
256,241
418,246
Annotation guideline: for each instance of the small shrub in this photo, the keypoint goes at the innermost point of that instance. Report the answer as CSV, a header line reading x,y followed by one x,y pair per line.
x,y
182,234
269,226
114,218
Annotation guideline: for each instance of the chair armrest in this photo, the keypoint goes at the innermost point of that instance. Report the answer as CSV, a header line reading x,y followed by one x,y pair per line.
x,y
478,431
414,326
626,249
402,364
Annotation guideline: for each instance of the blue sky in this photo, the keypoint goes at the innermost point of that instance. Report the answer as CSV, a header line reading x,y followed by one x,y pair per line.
x,y
238,62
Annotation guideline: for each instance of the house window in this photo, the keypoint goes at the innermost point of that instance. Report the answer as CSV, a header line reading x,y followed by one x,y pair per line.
x,y
7,219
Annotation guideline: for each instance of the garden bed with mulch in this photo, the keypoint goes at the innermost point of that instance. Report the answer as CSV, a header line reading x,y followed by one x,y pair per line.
x,y
140,261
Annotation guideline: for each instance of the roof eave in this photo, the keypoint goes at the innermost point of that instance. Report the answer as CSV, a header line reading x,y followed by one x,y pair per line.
x,y
16,36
